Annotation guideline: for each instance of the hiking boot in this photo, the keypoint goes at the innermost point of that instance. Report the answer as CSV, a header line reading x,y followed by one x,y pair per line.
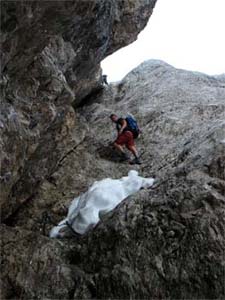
x,y
135,161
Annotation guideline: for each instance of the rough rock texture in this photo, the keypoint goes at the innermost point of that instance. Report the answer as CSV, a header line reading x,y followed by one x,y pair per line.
x,y
50,56
168,242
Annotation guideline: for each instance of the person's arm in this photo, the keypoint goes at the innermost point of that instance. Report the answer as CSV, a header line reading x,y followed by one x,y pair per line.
x,y
123,125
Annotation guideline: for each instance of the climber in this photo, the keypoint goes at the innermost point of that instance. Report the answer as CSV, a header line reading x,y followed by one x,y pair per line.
x,y
125,138
104,80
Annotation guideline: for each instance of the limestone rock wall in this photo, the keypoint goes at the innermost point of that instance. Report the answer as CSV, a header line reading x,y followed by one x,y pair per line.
x,y
50,56
167,242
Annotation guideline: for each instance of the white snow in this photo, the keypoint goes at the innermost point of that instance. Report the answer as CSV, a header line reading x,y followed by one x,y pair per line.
x,y
102,197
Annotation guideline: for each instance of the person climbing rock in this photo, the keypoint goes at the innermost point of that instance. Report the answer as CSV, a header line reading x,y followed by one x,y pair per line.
x,y
125,138
104,80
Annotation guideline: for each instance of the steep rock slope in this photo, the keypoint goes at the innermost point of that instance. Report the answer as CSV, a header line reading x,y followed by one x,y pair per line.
x,y
50,56
167,242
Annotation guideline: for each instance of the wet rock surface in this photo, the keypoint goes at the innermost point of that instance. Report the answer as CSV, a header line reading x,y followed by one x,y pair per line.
x,y
166,242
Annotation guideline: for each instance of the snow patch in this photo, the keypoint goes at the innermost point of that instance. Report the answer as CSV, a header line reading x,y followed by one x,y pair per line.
x,y
102,197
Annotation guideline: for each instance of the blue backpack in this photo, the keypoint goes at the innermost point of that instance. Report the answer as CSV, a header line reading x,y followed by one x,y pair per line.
x,y
132,125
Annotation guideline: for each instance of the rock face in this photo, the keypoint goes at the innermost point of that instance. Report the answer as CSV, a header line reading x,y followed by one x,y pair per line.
x,y
167,242
50,56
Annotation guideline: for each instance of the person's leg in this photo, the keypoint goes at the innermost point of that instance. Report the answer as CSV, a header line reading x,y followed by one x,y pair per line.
x,y
133,150
136,159
119,144
121,151
119,148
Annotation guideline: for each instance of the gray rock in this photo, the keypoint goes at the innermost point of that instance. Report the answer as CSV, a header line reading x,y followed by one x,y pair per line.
x,y
50,61
166,242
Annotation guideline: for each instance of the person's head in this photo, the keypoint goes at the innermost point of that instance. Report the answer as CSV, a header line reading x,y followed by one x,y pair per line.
x,y
113,117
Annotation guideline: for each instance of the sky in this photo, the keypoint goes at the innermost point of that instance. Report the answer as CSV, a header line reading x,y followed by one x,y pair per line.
x,y
188,34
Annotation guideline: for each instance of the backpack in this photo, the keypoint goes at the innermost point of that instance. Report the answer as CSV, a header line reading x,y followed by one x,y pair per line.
x,y
133,126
